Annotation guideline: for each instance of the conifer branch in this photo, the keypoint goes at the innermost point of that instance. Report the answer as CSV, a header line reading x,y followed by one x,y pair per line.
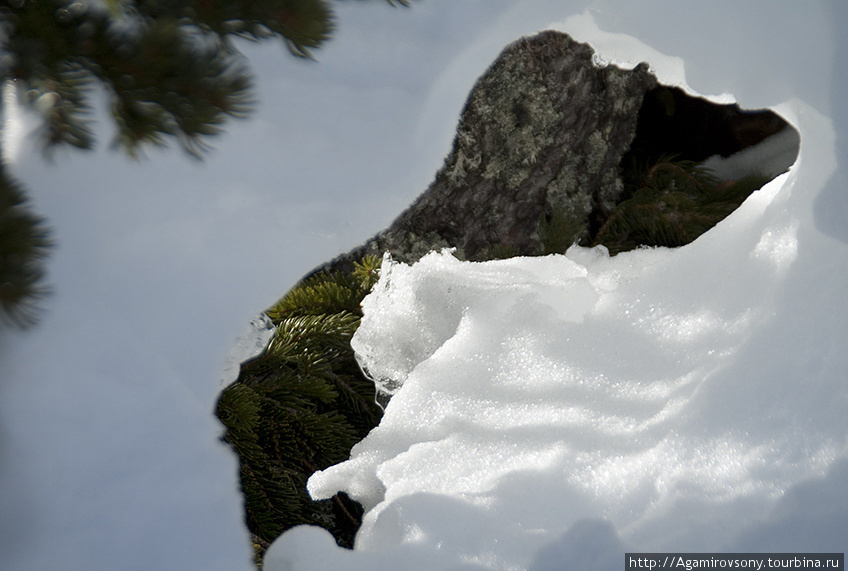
x,y
24,245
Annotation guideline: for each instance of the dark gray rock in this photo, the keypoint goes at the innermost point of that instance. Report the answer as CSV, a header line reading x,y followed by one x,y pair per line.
x,y
543,129
550,143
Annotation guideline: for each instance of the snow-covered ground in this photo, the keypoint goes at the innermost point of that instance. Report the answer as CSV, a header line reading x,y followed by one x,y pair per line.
x,y
554,413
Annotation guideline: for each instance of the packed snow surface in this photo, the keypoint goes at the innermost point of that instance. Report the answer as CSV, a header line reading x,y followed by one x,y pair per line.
x,y
552,413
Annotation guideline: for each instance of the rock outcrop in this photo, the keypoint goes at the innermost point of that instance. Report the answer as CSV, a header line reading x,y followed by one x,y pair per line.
x,y
543,129
548,136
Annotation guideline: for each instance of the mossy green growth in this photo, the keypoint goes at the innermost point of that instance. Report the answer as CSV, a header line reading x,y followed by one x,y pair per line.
x,y
301,406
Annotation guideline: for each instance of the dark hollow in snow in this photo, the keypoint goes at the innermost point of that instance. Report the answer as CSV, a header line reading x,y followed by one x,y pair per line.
x,y
694,129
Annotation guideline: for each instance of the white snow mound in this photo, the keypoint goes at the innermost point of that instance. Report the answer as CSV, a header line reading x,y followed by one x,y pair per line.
x,y
570,407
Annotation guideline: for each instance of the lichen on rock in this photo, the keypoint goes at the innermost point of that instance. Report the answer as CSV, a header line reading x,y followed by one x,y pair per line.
x,y
543,129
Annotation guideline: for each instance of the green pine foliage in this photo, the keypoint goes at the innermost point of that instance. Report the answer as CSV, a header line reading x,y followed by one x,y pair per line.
x,y
24,243
559,231
669,203
301,406
673,203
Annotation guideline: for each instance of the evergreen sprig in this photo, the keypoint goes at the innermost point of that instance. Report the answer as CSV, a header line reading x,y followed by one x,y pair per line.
x,y
24,243
673,203
559,231
301,406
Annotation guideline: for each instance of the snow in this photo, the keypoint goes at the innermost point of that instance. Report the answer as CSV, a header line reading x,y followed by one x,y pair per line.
x,y
673,399
770,157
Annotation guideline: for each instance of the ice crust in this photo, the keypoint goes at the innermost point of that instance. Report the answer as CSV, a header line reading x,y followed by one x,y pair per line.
x,y
252,342
552,413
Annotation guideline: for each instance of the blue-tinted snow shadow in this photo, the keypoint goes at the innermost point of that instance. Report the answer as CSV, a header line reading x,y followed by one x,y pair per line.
x,y
831,206
589,545
811,517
